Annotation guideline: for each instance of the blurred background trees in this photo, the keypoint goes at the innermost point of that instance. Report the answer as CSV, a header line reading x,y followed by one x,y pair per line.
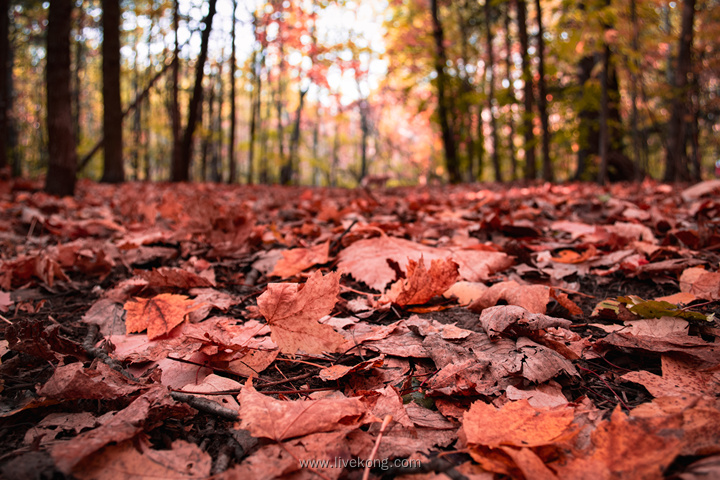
x,y
327,92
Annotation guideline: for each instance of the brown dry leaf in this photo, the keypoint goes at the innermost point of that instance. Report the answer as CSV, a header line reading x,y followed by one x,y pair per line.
x,y
214,384
533,298
701,283
694,347
529,463
183,461
566,303
107,315
680,298
423,284
124,425
496,320
367,260
55,423
624,448
73,382
173,277
679,378
281,461
571,256
266,417
296,260
466,292
158,315
338,371
517,424
292,312
546,395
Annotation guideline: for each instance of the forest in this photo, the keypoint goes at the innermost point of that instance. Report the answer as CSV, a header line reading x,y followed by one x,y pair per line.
x,y
322,92
418,239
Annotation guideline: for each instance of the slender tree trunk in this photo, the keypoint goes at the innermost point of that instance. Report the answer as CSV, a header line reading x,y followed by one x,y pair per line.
x,y
113,171
604,113
175,107
542,100
264,167
289,170
491,90
335,156
255,113
233,112
451,158
511,87
529,100
4,73
216,172
315,146
181,169
137,120
79,63
364,132
60,178
207,143
676,159
634,68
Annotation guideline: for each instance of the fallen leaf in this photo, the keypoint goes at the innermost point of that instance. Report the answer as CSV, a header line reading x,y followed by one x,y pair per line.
x,y
296,260
279,420
74,382
515,424
701,283
423,284
496,320
292,312
158,315
533,298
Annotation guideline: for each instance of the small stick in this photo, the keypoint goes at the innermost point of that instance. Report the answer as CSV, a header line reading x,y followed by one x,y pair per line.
x,y
386,422
5,320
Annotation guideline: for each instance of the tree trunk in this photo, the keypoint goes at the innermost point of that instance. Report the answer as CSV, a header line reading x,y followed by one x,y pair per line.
x,y
175,107
60,178
113,171
4,73
508,77
207,140
264,167
233,111
676,159
530,167
181,169
289,170
604,111
542,100
490,69
78,67
451,158
634,68
216,172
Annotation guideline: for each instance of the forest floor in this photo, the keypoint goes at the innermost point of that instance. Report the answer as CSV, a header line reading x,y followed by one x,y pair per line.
x,y
472,331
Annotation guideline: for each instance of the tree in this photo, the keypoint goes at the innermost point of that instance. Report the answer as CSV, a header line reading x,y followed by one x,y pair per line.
x,y
113,171
491,92
60,178
4,73
451,158
175,102
528,96
233,109
181,168
676,159
542,98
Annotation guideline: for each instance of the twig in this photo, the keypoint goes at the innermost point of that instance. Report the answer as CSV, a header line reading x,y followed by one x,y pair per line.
x,y
5,320
100,354
385,423
205,405
336,243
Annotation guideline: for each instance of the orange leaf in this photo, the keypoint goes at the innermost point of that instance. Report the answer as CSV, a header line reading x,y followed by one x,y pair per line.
x,y
293,310
158,315
571,256
516,424
421,284
298,259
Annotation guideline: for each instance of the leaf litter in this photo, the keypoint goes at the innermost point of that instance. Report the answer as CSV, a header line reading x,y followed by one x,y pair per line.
x,y
563,331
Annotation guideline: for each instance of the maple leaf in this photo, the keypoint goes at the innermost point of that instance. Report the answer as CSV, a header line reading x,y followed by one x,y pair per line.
x,y
293,310
533,298
298,259
516,424
422,284
158,315
280,420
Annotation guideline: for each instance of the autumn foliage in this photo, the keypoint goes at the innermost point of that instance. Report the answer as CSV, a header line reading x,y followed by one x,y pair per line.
x,y
184,331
